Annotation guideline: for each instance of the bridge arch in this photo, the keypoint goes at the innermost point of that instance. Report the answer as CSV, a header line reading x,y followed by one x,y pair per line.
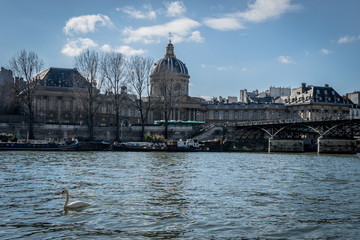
x,y
247,129
297,124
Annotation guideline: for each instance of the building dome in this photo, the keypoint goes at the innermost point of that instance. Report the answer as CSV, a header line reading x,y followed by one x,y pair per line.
x,y
171,72
169,64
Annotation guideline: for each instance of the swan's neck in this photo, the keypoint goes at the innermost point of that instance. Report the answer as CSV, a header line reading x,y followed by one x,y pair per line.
x,y
67,199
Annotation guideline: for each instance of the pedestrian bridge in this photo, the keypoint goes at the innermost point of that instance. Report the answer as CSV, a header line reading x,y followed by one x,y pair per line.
x,y
332,136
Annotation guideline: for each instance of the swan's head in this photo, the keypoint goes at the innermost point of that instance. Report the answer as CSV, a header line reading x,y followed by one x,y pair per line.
x,y
64,191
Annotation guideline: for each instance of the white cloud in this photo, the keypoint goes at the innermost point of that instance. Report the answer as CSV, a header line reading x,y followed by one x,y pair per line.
x,y
86,23
106,48
176,8
258,11
221,68
75,47
224,24
126,50
348,39
244,69
203,66
307,53
196,37
325,51
132,12
179,28
262,10
224,68
129,51
285,60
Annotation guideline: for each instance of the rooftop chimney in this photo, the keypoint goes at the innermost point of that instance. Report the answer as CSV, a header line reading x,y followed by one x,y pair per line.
x,y
303,86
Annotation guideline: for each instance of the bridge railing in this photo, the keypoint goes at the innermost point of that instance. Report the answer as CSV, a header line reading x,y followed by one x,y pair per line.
x,y
275,121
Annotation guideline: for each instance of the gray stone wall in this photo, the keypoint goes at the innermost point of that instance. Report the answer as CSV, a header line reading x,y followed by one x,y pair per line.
x,y
54,132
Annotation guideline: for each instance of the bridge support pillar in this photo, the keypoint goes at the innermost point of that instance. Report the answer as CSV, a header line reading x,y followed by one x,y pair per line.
x,y
346,146
285,145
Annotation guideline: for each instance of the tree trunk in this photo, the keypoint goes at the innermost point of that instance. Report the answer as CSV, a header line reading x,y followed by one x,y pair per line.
x,y
166,131
117,117
31,123
142,132
166,125
91,128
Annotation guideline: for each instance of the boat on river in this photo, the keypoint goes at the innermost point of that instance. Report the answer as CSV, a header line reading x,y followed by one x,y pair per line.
x,y
138,146
188,145
38,146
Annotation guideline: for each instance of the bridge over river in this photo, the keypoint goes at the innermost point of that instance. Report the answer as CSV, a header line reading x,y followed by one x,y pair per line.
x,y
330,136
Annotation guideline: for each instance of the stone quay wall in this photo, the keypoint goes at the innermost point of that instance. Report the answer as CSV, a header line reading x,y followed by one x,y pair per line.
x,y
56,132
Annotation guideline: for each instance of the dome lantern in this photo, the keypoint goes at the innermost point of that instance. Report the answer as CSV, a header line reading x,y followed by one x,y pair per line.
x,y
170,51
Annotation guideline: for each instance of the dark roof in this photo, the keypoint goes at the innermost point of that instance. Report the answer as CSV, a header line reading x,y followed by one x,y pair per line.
x,y
169,64
61,78
317,94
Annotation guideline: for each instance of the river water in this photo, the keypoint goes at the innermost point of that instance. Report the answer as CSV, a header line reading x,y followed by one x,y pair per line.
x,y
179,195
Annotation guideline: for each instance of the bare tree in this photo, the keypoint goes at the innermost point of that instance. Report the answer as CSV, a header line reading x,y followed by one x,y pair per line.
x,y
88,65
25,66
139,80
114,72
167,101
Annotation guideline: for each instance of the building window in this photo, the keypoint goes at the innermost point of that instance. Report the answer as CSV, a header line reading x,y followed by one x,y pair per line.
x,y
67,104
52,103
211,114
221,115
231,115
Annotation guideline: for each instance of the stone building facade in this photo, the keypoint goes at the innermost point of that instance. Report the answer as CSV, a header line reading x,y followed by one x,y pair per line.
x,y
58,100
314,103
7,93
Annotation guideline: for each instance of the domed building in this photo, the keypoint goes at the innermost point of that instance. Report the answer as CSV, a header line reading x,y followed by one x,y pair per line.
x,y
169,81
170,71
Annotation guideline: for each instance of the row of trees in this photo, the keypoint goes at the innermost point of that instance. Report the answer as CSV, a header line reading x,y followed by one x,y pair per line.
x,y
105,75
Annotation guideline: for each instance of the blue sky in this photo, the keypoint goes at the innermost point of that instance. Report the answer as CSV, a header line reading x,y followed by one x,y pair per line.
x,y
227,45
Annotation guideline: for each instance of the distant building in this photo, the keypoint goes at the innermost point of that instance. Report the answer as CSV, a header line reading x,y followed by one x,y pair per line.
x,y
59,100
232,99
317,103
269,96
7,92
243,96
279,91
6,76
354,97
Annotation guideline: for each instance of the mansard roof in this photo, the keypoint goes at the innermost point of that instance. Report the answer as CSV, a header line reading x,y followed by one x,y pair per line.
x,y
61,78
316,94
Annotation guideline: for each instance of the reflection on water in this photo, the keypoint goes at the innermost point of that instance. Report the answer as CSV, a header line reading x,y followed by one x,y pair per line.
x,y
179,195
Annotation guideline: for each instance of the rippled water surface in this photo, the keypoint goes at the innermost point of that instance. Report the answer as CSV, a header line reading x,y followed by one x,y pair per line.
x,y
179,196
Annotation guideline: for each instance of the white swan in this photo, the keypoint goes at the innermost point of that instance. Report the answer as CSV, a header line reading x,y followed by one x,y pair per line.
x,y
77,204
